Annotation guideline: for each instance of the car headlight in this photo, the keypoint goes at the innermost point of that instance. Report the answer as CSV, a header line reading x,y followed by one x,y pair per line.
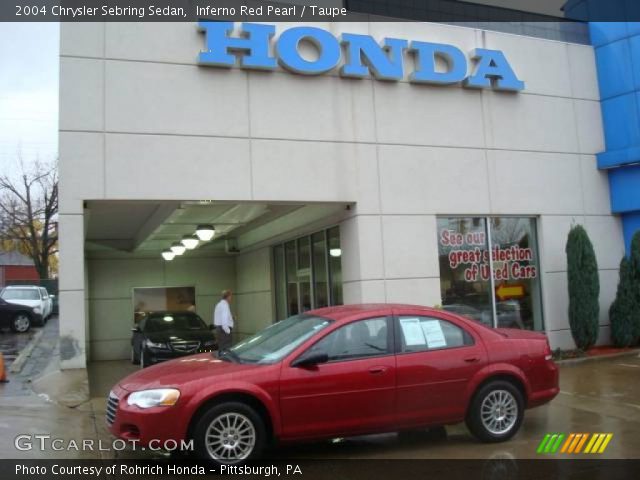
x,y
37,309
161,397
151,344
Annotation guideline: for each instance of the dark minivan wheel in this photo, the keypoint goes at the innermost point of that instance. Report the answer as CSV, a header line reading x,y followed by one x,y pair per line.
x,y
229,433
496,412
21,322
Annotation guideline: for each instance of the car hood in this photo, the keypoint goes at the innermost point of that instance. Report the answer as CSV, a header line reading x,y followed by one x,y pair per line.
x,y
194,368
28,303
180,335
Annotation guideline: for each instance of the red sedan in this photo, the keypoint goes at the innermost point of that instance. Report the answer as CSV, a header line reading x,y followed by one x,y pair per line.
x,y
337,372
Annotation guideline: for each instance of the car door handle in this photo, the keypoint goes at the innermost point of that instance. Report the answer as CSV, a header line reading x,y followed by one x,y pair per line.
x,y
378,370
471,359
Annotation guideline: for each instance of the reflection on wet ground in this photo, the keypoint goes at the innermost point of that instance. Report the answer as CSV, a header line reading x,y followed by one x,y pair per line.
x,y
596,396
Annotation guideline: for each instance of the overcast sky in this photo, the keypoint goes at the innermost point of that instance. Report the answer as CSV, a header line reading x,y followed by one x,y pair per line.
x,y
28,91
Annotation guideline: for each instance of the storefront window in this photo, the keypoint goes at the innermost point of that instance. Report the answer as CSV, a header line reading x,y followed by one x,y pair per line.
x,y
280,278
501,289
308,273
159,299
320,269
516,272
335,265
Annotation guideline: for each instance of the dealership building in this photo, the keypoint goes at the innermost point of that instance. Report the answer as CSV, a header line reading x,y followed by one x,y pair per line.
x,y
446,169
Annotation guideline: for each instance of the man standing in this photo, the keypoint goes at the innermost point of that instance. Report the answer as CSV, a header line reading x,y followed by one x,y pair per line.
x,y
223,321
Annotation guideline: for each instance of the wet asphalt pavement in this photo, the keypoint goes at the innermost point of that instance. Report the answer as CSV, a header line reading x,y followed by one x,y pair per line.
x,y
42,357
12,343
597,396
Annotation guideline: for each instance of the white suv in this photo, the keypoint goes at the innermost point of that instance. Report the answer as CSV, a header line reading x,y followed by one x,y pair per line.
x,y
32,296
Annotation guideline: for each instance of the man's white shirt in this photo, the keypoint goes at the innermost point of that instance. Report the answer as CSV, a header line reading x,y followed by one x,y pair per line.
x,y
222,316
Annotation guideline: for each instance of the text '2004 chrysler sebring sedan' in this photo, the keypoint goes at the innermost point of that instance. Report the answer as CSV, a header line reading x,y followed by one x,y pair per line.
x,y
337,372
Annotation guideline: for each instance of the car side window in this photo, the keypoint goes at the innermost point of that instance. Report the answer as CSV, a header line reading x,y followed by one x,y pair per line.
x,y
419,334
361,339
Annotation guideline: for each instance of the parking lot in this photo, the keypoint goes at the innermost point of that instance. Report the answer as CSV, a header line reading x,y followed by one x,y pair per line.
x,y
601,396
597,396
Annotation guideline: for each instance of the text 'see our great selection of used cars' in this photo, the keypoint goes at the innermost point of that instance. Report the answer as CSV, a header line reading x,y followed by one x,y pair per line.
x,y
337,372
160,336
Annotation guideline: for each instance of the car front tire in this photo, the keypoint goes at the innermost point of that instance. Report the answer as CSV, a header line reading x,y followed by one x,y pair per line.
x,y
21,323
230,433
496,412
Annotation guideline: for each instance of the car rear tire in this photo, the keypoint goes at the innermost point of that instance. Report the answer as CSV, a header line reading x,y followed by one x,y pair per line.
x,y
21,323
496,412
230,433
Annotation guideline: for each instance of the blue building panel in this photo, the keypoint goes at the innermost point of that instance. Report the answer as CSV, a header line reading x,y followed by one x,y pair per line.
x,y
621,122
615,73
617,48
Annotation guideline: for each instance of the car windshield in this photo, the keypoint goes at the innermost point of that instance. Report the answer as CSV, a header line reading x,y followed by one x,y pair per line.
x,y
173,321
20,294
275,342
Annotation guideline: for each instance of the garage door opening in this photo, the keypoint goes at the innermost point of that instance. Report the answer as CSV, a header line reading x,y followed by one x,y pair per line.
x,y
279,259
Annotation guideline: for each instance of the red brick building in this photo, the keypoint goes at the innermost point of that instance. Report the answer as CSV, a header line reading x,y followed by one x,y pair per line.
x,y
15,266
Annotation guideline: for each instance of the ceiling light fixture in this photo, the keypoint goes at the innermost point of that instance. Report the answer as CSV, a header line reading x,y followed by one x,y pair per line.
x,y
335,252
168,255
190,241
177,248
205,232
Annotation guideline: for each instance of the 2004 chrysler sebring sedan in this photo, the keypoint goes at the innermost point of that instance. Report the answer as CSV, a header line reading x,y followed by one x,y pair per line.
x,y
336,372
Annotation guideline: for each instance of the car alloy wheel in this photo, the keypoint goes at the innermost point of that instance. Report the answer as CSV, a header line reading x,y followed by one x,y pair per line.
x,y
21,323
230,437
499,412
496,411
229,433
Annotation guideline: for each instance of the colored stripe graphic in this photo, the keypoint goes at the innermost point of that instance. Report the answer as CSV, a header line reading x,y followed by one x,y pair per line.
x,y
606,442
568,442
573,443
543,443
555,447
582,440
550,443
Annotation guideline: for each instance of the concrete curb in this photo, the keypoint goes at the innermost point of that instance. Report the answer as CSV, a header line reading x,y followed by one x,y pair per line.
x,y
572,361
18,364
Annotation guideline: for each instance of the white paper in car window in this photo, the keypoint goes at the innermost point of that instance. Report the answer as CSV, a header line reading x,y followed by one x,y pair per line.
x,y
413,334
433,333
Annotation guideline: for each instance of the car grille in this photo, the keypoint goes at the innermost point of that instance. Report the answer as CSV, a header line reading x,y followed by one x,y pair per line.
x,y
112,408
185,347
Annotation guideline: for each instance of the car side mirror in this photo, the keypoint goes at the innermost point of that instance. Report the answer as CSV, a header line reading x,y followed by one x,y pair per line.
x,y
308,360
136,330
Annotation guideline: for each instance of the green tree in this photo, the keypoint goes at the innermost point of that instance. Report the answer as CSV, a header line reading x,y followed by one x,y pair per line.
x,y
634,260
584,288
625,310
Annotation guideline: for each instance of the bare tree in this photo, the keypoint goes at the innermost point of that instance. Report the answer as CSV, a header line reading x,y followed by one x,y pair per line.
x,y
28,213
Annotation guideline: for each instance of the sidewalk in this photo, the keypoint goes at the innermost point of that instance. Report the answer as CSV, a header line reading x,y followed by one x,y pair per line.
x,y
25,412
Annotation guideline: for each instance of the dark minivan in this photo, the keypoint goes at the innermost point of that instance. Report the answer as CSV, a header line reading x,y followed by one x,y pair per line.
x,y
162,336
